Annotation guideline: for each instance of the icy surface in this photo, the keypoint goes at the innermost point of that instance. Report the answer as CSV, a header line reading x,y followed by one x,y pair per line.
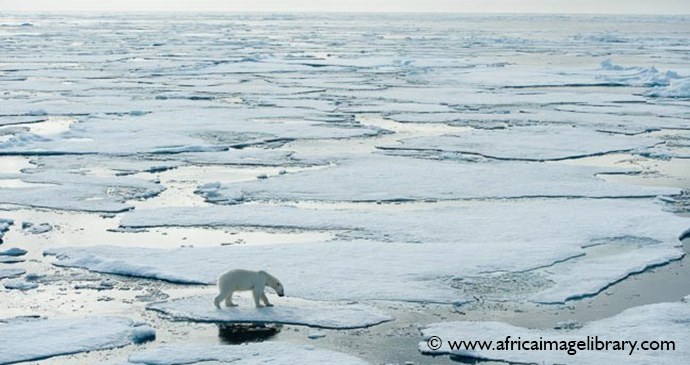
x,y
379,179
19,285
654,322
11,273
59,190
285,311
4,226
34,340
535,143
273,353
474,248
14,251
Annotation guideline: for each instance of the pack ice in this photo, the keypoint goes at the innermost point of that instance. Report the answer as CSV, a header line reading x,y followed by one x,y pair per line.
x,y
532,143
31,340
75,191
373,179
551,257
286,311
654,322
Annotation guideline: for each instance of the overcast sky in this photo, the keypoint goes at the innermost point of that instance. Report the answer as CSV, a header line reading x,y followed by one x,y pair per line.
x,y
458,6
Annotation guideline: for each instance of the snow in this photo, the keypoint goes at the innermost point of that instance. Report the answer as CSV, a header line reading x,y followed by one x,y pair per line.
x,y
653,322
378,179
273,353
285,311
11,273
41,339
534,143
566,249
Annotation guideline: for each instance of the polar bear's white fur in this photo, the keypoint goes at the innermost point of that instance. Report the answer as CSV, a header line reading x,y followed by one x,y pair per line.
x,y
244,280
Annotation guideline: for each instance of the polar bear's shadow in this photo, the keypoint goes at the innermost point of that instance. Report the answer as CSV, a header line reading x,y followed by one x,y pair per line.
x,y
238,333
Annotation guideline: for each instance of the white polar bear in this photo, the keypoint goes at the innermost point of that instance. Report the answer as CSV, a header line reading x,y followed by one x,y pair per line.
x,y
244,280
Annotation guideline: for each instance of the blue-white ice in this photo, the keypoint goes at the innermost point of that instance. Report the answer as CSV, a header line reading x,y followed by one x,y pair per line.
x,y
285,311
654,322
30,340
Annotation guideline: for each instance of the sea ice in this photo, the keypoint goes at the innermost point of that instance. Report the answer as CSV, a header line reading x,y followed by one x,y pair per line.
x,y
259,353
182,131
20,285
535,143
4,227
286,311
653,322
41,339
14,251
11,273
548,249
378,179
74,191
676,89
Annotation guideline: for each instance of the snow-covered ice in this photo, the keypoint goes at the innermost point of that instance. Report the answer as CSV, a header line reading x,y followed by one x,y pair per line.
x,y
73,191
379,179
534,143
653,322
285,311
553,254
41,339
273,353
19,285
11,273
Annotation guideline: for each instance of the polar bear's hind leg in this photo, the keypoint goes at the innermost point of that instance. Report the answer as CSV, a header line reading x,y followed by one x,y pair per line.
x,y
228,301
219,298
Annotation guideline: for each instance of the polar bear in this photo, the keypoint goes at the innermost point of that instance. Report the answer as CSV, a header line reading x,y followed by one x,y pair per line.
x,y
244,280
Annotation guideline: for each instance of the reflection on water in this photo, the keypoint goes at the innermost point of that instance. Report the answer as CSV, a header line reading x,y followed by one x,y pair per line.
x,y
234,334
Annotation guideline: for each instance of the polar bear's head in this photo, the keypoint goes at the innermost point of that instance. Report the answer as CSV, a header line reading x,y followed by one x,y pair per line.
x,y
275,284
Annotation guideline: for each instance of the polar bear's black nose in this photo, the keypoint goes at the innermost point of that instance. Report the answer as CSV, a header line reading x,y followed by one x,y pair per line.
x,y
281,294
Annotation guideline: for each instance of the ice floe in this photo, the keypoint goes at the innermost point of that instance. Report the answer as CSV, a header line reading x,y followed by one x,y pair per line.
x,y
5,226
535,143
285,311
73,191
379,179
19,285
11,273
653,322
14,251
203,130
274,353
41,339
549,250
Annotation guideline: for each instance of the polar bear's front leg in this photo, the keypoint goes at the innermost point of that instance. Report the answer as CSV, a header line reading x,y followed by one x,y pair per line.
x,y
258,293
264,298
